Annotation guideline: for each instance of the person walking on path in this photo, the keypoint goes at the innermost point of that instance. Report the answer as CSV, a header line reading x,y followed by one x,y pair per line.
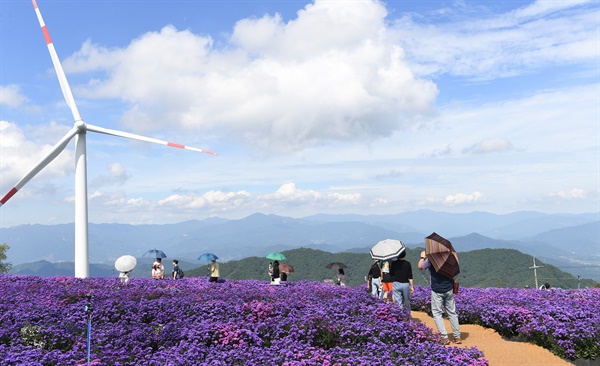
x,y
214,271
401,272
374,277
442,297
387,282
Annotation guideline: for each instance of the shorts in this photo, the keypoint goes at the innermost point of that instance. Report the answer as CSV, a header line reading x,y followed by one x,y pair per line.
x,y
388,286
213,279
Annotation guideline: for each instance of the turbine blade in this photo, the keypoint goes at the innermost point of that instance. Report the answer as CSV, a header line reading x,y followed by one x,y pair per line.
x,y
62,78
128,135
57,149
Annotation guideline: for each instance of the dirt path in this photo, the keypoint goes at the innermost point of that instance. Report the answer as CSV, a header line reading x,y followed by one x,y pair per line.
x,y
497,350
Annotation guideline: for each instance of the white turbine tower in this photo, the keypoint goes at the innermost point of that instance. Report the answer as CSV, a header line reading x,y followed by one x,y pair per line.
x,y
79,132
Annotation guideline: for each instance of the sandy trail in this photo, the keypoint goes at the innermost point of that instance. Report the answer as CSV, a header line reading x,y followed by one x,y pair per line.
x,y
497,350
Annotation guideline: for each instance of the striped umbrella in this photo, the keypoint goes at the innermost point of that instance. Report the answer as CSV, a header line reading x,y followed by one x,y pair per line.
x,y
442,255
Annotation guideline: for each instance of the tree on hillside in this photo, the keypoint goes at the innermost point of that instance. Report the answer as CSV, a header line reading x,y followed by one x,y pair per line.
x,y
4,266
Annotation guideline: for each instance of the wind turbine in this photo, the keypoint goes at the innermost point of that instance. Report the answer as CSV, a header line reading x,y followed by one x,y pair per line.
x,y
78,131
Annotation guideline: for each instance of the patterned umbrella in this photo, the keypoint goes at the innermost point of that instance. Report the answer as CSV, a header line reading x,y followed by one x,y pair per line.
x,y
387,249
442,255
286,268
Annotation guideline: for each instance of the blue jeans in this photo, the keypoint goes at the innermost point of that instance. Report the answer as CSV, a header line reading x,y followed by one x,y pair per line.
x,y
401,291
442,301
376,289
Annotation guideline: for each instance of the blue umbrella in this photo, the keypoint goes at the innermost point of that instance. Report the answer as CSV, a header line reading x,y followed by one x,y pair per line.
x,y
207,257
155,253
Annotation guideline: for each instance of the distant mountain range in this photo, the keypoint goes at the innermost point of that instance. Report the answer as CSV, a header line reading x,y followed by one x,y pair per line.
x,y
568,241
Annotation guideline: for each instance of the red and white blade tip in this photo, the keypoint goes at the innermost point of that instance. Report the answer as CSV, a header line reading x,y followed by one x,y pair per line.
x,y
8,195
180,146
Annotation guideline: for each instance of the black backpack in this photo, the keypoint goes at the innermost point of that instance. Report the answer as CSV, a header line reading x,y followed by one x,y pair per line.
x,y
181,273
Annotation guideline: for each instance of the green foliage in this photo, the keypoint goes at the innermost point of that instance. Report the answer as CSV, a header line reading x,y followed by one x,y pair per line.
x,y
5,267
510,268
479,268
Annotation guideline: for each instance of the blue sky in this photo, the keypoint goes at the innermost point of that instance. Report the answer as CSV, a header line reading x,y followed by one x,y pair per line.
x,y
314,107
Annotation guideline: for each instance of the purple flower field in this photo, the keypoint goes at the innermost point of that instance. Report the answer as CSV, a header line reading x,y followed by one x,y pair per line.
x,y
567,322
190,322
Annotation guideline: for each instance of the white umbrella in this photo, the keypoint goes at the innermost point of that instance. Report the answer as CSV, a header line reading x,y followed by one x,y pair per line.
x,y
125,263
387,249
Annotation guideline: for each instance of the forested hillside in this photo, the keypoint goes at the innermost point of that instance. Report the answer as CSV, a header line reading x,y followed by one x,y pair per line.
x,y
479,268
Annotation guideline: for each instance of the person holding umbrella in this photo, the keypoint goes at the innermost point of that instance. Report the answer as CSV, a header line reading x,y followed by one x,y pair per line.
x,y
275,279
214,271
442,297
385,250
341,277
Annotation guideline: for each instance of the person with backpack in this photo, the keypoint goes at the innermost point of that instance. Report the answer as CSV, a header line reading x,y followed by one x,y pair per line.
x,y
374,277
177,272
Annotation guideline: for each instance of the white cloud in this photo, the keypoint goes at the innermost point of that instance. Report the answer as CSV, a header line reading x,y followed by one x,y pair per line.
x,y
289,195
117,175
503,45
490,146
462,198
214,201
573,194
219,202
274,85
550,121
10,96
20,155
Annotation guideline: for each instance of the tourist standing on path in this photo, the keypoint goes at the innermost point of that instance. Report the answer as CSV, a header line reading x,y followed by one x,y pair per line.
x,y
442,297
401,272
156,274
341,277
161,267
275,280
374,277
176,275
213,267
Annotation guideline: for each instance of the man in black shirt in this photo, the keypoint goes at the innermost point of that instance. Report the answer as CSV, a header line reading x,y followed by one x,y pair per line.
x,y
401,272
